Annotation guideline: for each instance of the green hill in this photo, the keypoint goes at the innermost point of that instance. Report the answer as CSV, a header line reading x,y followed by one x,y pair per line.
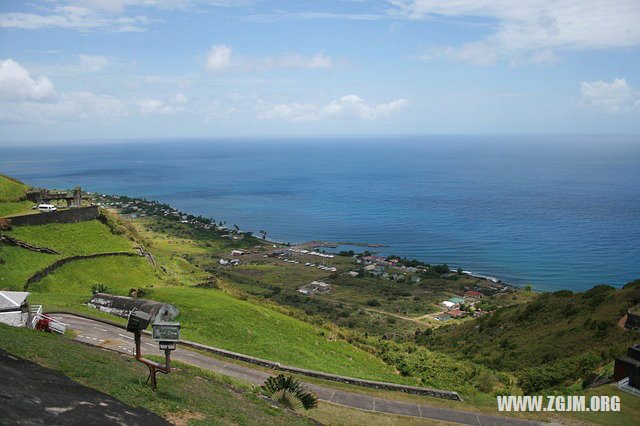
x,y
12,193
551,340
11,189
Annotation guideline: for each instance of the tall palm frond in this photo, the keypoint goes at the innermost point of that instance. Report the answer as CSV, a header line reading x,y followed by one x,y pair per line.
x,y
290,392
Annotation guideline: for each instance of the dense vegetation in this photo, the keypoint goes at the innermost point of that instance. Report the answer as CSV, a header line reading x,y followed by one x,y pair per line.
x,y
553,340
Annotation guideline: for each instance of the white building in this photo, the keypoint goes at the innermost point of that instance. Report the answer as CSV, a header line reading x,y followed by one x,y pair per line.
x,y
14,308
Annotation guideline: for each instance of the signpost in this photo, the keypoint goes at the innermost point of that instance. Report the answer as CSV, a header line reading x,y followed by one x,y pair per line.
x,y
166,333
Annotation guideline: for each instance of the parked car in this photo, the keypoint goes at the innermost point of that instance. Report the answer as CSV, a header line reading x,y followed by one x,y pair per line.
x,y
47,207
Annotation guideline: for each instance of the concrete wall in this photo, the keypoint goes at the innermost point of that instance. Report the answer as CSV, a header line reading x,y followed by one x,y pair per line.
x,y
55,265
79,214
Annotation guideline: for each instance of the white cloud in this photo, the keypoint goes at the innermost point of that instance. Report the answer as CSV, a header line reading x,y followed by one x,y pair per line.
x,y
541,26
615,97
75,106
220,59
159,106
17,84
93,63
76,18
347,106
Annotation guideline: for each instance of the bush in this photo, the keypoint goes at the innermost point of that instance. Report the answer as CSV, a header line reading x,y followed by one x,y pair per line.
x,y
100,288
373,302
5,224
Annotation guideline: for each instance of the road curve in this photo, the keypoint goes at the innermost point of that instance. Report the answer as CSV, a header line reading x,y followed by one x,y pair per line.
x,y
98,333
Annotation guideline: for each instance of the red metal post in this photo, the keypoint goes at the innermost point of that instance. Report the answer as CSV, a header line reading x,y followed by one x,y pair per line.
x,y
153,366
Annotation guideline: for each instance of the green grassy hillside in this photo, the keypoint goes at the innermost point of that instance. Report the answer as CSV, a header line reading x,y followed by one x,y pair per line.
x,y
186,393
555,334
212,317
68,239
11,189
119,273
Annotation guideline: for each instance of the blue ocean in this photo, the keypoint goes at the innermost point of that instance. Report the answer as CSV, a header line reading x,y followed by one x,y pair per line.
x,y
554,211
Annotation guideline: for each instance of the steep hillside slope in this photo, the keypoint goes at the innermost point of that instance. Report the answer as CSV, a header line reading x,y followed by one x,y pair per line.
x,y
553,332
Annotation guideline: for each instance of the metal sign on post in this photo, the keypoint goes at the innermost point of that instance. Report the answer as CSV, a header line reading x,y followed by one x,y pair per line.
x,y
167,334
166,331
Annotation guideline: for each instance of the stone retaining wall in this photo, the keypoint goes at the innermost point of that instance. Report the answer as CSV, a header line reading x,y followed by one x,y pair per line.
x,y
15,242
633,321
310,373
78,214
55,265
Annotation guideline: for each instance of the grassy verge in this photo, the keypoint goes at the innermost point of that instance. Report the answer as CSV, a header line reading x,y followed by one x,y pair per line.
x,y
187,394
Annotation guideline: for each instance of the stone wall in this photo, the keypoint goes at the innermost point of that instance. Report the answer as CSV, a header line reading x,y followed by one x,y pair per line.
x,y
55,265
633,321
78,214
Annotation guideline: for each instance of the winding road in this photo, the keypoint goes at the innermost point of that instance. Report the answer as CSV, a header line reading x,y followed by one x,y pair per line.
x,y
101,334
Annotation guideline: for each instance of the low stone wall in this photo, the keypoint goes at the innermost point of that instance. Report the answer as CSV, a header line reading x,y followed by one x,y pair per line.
x,y
633,321
78,214
55,265
15,242
435,393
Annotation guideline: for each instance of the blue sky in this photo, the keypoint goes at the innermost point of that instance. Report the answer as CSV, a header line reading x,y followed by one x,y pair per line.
x,y
94,69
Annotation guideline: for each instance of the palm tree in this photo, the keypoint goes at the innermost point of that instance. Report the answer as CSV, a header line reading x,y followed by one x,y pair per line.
x,y
290,392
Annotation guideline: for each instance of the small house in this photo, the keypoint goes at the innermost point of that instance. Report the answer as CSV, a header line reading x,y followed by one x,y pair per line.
x,y
448,304
456,300
14,308
475,294
443,317
455,313
352,273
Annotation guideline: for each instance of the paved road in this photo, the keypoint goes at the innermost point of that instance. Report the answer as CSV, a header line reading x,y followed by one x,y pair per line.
x,y
108,336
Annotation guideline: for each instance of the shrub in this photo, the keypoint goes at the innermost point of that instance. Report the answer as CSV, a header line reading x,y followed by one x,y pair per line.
x,y
5,224
100,288
290,392
373,302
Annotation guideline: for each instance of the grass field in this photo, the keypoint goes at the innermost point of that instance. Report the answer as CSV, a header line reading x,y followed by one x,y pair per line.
x,y
19,264
70,239
118,273
10,208
186,393
11,189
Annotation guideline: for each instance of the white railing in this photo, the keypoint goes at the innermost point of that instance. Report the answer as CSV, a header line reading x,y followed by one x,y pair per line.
x,y
35,311
54,325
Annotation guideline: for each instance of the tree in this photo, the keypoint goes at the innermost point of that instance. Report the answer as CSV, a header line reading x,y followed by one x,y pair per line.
x,y
290,392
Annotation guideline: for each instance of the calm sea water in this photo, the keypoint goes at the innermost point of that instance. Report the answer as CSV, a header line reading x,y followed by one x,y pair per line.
x,y
554,211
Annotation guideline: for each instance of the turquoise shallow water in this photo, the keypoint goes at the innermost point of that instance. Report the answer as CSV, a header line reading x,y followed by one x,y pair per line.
x,y
554,211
